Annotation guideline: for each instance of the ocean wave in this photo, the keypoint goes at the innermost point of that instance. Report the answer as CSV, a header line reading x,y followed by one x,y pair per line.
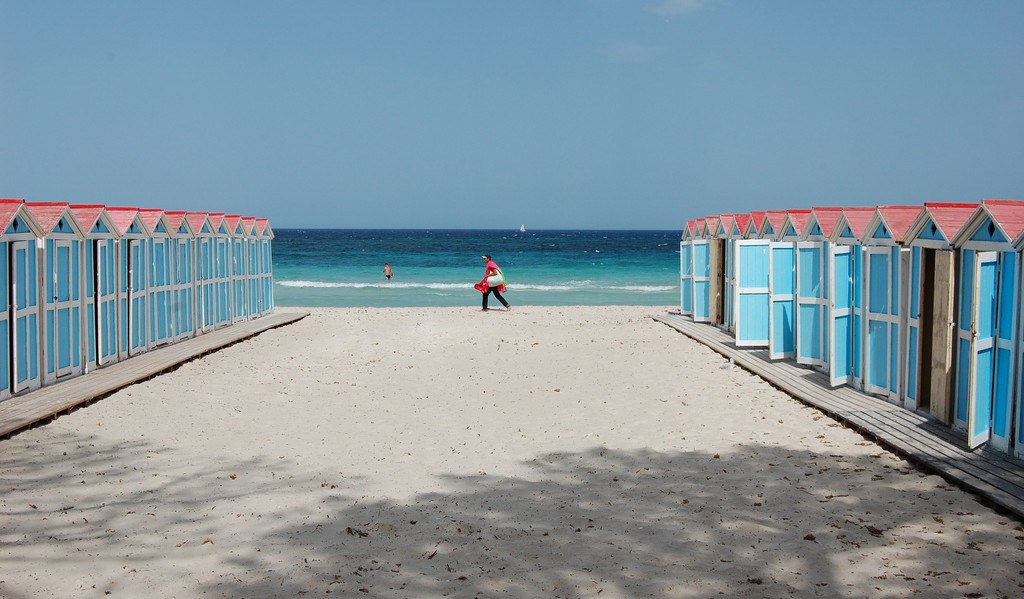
x,y
565,287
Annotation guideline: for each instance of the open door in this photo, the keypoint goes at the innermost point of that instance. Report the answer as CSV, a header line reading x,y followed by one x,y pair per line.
x,y
982,349
685,278
782,301
1003,359
751,292
701,281
811,303
840,316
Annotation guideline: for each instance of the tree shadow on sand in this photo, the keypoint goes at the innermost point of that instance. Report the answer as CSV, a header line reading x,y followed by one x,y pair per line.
x,y
609,523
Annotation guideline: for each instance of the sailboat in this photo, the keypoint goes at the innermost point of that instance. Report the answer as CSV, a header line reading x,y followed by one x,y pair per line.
x,y
522,228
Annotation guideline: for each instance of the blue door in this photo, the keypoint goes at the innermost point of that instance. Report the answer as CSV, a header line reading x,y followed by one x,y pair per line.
x,y
752,293
161,326
184,285
841,318
138,297
812,303
106,310
685,278
1005,340
730,284
782,299
981,355
62,308
701,281
911,365
5,323
882,313
26,316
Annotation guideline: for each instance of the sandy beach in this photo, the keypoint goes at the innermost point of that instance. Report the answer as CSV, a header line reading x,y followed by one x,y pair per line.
x,y
427,452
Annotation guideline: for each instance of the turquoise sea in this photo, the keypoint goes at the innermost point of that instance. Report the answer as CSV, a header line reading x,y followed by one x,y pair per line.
x,y
343,267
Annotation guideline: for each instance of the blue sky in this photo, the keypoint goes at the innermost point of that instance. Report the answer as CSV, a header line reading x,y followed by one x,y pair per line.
x,y
485,114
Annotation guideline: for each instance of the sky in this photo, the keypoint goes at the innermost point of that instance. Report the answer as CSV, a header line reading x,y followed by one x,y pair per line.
x,y
569,114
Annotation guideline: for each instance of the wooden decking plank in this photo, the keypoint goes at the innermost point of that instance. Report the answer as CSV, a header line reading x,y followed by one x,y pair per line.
x,y
40,404
996,477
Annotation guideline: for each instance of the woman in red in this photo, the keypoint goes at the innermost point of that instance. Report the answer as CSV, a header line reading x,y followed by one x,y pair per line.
x,y
494,282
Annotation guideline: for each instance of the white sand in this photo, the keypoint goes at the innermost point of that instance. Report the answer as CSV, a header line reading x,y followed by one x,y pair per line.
x,y
421,452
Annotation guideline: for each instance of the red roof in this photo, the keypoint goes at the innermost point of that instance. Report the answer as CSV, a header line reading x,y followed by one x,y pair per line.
x,y
698,227
261,225
713,222
757,217
150,216
122,218
827,218
216,218
689,227
1008,214
898,219
196,220
949,217
8,210
775,218
727,222
858,219
799,219
249,224
174,220
87,214
47,214
232,221
742,220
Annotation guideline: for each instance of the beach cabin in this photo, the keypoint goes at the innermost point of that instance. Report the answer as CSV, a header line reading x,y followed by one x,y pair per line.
x,y
19,320
686,270
205,280
751,289
132,281
252,266
700,254
886,266
847,262
222,287
100,281
239,258
814,300
724,237
183,274
160,284
782,324
987,334
61,280
266,265
928,359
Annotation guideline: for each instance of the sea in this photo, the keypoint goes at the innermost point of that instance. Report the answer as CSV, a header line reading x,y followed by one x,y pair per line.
x,y
438,267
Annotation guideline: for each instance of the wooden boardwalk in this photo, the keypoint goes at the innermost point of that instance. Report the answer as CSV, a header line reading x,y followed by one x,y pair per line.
x,y
996,477
25,410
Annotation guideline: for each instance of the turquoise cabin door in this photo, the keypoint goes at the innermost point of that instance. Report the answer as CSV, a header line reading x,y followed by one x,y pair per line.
x,y
701,281
238,280
685,279
184,303
812,303
730,284
840,317
138,296
911,364
62,308
1005,342
882,315
981,355
26,316
752,293
207,284
89,314
106,308
161,325
223,269
5,322
782,300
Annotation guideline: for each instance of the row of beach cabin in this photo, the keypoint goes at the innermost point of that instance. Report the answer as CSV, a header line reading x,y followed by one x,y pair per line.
x,y
90,285
917,304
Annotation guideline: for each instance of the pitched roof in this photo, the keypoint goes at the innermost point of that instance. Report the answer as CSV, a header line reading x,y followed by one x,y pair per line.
x,y
949,217
757,217
1008,216
232,221
727,221
827,217
742,220
196,219
858,218
8,210
712,223
150,217
216,218
249,224
122,218
698,227
775,218
174,220
87,214
898,219
47,214
261,225
799,219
